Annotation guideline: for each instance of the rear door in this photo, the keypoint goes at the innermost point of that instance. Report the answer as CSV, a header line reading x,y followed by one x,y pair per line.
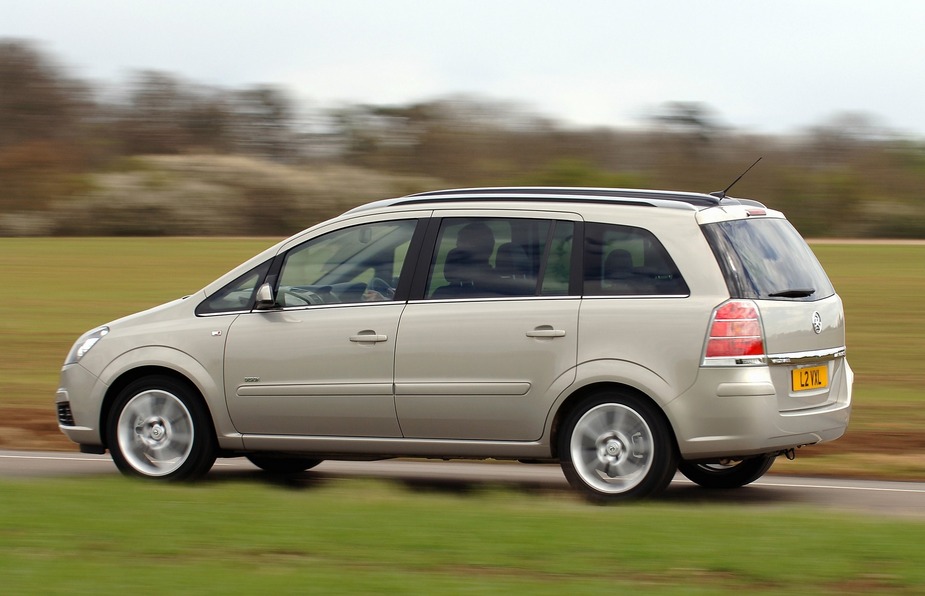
x,y
492,339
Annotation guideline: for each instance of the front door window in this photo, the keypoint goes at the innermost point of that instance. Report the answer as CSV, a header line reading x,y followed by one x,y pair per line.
x,y
357,264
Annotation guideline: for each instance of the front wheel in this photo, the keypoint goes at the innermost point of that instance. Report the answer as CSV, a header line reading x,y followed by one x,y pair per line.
x,y
617,447
159,428
727,474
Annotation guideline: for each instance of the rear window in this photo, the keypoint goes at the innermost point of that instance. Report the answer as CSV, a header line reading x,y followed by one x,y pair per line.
x,y
767,259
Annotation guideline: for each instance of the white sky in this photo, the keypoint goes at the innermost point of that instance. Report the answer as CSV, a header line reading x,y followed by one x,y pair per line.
x,y
762,65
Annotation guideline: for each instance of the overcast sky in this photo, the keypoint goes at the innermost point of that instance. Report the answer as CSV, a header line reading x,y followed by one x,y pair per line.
x,y
761,65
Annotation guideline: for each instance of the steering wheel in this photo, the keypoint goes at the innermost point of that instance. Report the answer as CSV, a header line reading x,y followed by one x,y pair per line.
x,y
378,290
301,297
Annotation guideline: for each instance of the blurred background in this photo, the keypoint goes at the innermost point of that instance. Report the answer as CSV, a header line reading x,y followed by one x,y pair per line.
x,y
225,118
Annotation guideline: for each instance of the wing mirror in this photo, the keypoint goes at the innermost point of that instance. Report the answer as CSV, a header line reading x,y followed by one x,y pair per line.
x,y
265,299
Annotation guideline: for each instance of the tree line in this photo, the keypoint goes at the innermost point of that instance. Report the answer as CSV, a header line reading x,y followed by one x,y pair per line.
x,y
157,154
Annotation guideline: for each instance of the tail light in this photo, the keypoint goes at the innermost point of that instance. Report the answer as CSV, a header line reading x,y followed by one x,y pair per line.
x,y
735,335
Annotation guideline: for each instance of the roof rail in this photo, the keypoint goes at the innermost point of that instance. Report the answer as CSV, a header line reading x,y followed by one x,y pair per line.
x,y
624,196
696,199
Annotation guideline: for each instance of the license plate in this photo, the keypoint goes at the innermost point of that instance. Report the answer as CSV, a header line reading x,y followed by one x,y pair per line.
x,y
814,377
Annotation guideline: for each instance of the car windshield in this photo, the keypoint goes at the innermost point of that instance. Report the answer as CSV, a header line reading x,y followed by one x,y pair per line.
x,y
767,259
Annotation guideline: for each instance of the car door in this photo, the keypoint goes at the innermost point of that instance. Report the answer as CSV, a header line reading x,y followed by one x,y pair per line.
x,y
492,339
321,361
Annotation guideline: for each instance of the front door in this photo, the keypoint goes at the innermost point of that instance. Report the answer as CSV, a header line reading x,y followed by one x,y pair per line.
x,y
314,371
321,361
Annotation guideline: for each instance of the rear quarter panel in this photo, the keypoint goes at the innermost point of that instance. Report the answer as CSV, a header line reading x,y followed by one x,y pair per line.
x,y
662,335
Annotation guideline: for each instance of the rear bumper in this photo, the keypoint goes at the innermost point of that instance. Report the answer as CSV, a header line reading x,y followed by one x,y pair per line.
x,y
739,412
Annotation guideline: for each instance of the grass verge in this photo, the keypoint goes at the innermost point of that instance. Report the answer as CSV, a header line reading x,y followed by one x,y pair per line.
x,y
113,535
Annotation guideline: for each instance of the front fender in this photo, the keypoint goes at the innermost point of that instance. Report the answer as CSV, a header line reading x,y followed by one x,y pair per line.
x,y
208,383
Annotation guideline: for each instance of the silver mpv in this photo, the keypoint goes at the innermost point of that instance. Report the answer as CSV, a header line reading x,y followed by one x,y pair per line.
x,y
625,334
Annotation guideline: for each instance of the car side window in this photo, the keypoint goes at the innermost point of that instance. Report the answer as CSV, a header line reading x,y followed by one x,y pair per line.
x,y
500,257
628,261
357,264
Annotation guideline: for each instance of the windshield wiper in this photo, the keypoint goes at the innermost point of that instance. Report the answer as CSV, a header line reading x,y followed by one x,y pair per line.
x,y
797,293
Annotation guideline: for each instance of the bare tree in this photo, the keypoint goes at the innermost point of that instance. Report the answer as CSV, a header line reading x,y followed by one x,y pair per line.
x,y
37,101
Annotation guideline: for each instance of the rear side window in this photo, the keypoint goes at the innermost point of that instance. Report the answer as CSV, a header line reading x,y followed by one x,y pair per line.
x,y
767,259
494,257
628,261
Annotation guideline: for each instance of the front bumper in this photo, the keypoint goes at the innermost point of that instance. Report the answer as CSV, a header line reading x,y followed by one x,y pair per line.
x,y
78,400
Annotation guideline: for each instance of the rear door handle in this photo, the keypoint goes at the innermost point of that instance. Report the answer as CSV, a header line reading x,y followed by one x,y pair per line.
x,y
546,331
368,337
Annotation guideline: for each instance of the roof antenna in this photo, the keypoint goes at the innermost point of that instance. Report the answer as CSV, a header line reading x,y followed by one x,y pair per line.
x,y
721,194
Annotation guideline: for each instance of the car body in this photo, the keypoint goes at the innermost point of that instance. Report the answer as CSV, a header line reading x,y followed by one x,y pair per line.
x,y
622,333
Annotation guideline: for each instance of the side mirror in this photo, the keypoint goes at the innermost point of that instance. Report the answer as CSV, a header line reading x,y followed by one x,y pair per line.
x,y
265,300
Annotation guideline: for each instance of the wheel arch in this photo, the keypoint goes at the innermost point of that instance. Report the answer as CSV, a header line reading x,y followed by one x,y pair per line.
x,y
203,373
130,376
582,393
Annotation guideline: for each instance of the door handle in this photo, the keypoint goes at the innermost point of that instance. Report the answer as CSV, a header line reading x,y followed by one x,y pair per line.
x,y
546,331
368,337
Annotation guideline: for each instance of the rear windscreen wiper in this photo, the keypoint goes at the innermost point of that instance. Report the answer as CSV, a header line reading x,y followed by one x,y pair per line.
x,y
800,293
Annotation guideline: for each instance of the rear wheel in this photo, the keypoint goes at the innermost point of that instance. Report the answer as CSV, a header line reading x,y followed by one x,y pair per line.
x,y
159,428
617,447
727,474
282,464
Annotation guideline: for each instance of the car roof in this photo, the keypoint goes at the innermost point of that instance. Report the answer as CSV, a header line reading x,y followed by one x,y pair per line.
x,y
690,201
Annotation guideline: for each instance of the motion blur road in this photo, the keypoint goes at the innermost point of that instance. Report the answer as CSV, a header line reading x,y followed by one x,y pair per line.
x,y
860,496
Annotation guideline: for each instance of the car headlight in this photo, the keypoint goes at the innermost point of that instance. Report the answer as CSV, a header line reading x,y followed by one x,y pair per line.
x,y
83,345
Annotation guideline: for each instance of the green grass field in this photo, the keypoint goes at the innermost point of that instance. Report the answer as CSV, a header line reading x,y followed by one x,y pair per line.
x,y
114,536
56,288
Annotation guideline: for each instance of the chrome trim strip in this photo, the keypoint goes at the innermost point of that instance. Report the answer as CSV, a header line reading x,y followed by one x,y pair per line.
x,y
797,358
490,299
568,297
224,313
630,296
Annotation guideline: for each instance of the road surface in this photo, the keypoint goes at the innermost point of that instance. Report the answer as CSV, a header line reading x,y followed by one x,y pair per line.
x,y
906,499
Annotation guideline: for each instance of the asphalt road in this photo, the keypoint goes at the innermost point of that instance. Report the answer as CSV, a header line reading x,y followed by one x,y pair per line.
x,y
905,499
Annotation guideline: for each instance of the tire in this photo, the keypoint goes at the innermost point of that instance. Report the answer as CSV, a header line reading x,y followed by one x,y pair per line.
x,y
727,475
159,428
617,447
282,464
